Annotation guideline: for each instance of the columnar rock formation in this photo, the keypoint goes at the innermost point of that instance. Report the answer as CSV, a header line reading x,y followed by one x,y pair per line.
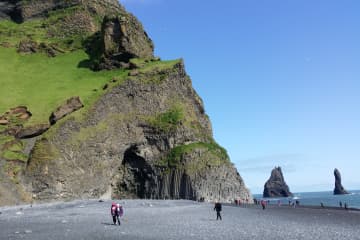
x,y
339,189
146,134
276,185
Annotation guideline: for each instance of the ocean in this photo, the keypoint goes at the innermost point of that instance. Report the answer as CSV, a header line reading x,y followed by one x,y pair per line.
x,y
316,198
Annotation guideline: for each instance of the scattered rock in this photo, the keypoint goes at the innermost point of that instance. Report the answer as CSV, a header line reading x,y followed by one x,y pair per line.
x,y
28,231
276,185
4,121
32,131
133,73
19,213
18,110
339,189
71,105
28,46
25,116
105,86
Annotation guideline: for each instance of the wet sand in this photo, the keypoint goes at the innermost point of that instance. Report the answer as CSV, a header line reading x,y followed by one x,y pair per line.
x,y
156,219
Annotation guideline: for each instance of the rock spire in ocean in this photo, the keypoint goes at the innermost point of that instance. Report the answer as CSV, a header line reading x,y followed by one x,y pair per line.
x,y
276,185
339,189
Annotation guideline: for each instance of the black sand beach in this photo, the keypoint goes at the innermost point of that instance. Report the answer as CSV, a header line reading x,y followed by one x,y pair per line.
x,y
153,219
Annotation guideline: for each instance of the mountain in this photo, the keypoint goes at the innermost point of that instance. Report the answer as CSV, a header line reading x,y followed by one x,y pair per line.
x,y
89,112
276,185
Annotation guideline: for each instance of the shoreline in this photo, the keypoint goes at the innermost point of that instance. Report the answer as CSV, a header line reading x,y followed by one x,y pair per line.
x,y
274,206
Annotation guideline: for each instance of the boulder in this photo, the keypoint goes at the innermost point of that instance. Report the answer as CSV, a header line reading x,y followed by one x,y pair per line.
x,y
123,38
71,105
276,185
4,121
339,189
32,131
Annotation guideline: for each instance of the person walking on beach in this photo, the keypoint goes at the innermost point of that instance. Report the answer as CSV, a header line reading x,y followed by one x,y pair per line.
x,y
263,204
218,209
116,212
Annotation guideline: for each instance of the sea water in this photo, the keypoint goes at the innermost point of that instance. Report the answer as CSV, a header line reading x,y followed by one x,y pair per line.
x,y
316,198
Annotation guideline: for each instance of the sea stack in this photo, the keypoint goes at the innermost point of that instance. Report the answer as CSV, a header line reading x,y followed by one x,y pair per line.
x,y
276,185
339,189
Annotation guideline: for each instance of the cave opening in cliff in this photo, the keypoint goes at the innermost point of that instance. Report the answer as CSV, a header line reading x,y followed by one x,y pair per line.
x,y
139,175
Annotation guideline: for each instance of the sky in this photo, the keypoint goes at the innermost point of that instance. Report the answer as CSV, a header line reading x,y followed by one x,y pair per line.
x,y
280,80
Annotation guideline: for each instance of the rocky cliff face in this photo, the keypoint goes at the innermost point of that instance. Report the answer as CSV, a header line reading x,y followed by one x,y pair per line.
x,y
124,148
339,189
20,11
276,185
145,136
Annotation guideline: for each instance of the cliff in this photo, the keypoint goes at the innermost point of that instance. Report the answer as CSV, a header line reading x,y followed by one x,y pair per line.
x,y
104,118
276,185
339,189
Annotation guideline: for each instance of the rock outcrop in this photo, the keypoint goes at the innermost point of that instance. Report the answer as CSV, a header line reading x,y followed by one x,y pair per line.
x,y
276,185
72,104
123,38
339,189
145,134
20,11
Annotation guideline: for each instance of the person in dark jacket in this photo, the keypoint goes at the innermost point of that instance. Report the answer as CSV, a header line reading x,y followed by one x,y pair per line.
x,y
218,209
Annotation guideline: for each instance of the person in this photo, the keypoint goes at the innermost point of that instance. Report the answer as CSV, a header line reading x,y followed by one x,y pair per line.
x,y
340,204
346,206
322,204
116,212
218,209
263,204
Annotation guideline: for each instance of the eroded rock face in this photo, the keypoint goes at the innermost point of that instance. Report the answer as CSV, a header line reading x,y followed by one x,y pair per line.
x,y
117,149
339,189
20,11
276,185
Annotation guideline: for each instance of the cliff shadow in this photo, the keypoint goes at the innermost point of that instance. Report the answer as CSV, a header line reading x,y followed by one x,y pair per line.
x,y
94,48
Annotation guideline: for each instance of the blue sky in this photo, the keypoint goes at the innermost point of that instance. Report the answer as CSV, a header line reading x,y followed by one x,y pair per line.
x,y
279,79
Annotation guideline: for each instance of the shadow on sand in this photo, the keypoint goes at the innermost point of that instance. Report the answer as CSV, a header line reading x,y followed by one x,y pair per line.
x,y
108,224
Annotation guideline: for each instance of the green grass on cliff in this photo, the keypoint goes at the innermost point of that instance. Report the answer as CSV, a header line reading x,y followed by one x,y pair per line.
x,y
212,154
168,121
42,83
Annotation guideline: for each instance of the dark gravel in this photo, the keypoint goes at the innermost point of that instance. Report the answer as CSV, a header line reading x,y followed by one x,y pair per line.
x,y
145,219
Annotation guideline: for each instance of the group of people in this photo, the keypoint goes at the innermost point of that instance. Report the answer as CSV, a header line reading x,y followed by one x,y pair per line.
x,y
117,211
